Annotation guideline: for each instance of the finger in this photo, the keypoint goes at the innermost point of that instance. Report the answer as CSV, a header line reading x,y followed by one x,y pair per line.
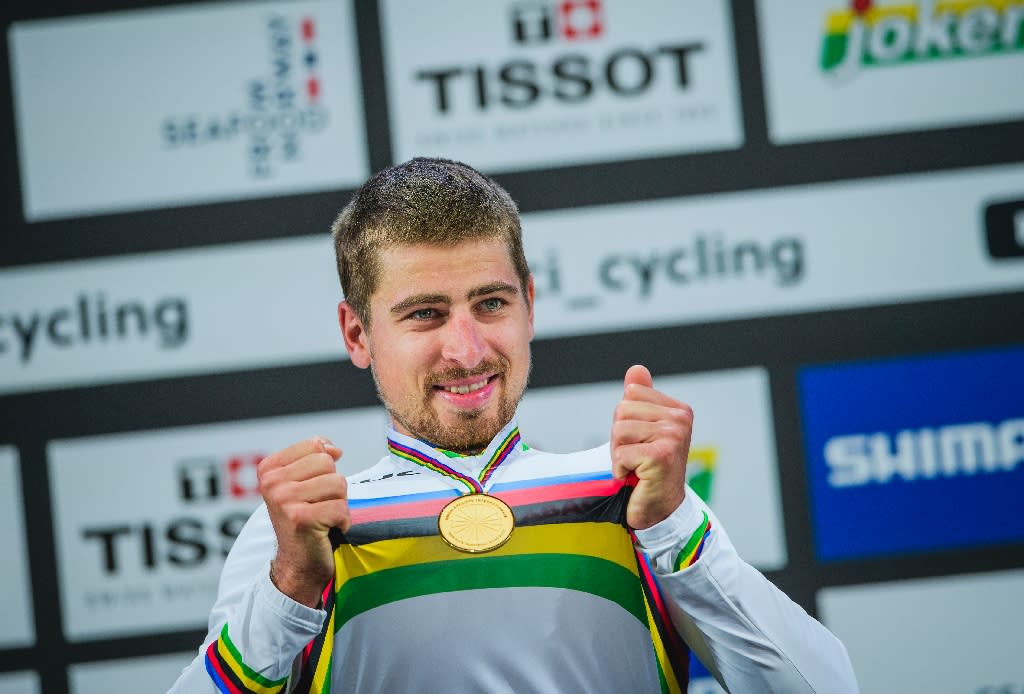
x,y
630,431
322,514
640,410
663,437
638,375
635,391
308,467
647,459
627,458
638,393
285,456
322,488
639,385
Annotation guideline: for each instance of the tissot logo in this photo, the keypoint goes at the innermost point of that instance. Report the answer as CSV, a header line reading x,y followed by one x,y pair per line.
x,y
194,537
626,70
509,84
208,478
183,543
870,34
279,109
572,20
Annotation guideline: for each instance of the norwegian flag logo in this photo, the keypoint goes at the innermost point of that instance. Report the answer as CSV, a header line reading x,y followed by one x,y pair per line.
x,y
569,20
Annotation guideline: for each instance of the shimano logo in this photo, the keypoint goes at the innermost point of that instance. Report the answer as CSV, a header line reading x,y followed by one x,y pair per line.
x,y
923,454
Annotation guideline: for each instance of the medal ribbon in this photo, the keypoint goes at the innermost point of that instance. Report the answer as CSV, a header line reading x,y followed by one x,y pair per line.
x,y
475,485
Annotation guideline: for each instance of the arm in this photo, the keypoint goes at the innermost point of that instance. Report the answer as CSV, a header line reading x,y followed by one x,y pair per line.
x,y
744,629
265,628
267,608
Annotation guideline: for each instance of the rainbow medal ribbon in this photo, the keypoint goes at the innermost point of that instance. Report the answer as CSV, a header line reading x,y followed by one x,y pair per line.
x,y
474,522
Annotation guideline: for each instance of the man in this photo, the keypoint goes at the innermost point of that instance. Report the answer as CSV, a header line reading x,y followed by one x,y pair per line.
x,y
464,561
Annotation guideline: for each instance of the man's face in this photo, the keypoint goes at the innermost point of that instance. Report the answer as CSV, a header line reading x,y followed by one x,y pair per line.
x,y
448,340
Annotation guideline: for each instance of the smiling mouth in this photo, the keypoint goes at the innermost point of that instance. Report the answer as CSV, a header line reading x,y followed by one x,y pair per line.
x,y
468,387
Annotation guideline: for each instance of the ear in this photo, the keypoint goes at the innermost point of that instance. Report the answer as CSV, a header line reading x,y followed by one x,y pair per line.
x,y
357,339
530,296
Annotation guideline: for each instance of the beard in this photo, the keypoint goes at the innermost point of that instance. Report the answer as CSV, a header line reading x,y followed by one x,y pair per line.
x,y
472,430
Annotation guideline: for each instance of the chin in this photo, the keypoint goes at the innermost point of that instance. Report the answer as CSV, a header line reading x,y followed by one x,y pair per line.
x,y
471,431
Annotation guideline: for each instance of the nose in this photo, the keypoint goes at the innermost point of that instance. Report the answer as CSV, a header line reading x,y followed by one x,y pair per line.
x,y
463,341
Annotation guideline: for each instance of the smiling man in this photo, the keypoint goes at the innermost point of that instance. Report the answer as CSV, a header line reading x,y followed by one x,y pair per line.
x,y
465,561
447,337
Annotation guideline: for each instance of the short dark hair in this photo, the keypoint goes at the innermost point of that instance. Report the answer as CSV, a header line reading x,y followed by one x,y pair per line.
x,y
424,200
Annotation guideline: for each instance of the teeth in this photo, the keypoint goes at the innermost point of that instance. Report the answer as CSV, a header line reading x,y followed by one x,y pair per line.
x,y
462,390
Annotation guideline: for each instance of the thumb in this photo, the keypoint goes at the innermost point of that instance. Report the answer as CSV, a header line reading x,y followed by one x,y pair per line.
x,y
639,375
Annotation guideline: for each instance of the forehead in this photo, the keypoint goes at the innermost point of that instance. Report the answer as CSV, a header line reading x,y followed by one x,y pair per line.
x,y
423,267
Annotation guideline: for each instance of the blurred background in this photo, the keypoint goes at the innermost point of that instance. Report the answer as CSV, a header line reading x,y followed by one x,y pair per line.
x,y
807,218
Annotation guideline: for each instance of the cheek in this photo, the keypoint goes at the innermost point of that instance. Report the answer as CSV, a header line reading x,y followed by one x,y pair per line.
x,y
410,362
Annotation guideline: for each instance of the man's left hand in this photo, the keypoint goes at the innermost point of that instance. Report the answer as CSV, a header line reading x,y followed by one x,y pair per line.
x,y
650,438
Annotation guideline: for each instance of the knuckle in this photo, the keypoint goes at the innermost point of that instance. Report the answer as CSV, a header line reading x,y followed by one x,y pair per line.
x,y
621,410
335,488
662,449
276,496
670,430
300,516
268,489
344,520
263,467
322,463
617,458
339,511
681,416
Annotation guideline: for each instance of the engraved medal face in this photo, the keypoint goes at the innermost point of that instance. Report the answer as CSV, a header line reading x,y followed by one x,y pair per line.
x,y
476,523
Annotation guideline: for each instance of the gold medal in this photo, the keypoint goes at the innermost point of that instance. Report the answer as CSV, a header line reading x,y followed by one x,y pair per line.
x,y
476,523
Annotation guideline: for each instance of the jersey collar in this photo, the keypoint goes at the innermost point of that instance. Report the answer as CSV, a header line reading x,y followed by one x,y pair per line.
x,y
472,473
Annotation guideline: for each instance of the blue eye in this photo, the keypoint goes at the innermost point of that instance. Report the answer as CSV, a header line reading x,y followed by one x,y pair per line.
x,y
492,304
424,314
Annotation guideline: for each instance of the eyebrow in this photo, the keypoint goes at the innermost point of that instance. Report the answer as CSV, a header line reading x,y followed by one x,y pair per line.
x,y
493,288
417,299
420,299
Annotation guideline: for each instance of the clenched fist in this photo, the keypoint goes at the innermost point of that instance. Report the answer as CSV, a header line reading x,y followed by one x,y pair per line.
x,y
650,438
306,497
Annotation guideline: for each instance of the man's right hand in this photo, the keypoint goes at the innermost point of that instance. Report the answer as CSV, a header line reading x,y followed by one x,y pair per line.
x,y
306,497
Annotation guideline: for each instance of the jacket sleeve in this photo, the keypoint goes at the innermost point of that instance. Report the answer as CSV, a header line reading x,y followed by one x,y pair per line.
x,y
747,632
256,633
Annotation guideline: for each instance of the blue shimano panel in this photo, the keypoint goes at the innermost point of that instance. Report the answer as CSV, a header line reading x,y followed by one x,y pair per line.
x,y
915,454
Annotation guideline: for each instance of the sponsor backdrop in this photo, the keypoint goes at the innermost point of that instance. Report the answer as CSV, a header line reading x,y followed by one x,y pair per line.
x,y
16,610
807,218
19,683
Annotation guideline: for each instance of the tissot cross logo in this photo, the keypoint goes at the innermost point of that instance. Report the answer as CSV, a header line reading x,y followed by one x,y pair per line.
x,y
571,20
207,478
